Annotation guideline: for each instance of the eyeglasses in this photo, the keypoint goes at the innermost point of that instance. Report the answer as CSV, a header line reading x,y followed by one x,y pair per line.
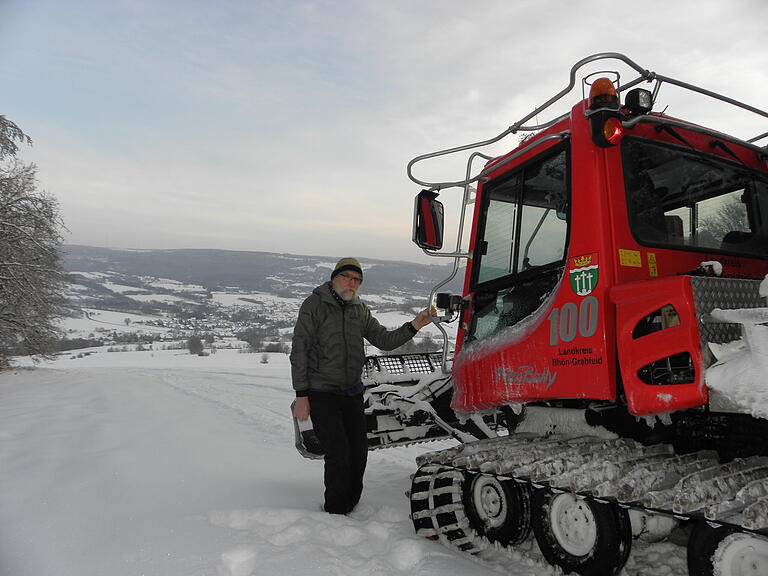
x,y
349,277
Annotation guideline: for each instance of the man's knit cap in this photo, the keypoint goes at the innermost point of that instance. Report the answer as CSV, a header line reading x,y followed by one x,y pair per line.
x,y
347,264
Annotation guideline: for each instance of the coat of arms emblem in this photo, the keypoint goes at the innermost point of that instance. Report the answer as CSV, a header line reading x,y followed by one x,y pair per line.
x,y
583,272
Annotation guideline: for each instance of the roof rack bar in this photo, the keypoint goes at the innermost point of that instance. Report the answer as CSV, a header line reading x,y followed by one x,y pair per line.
x,y
644,75
711,94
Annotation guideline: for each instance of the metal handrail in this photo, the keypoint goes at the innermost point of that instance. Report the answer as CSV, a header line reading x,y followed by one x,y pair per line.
x,y
458,255
643,75
472,179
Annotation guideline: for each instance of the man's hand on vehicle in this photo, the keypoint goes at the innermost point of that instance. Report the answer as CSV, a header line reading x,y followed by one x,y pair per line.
x,y
424,317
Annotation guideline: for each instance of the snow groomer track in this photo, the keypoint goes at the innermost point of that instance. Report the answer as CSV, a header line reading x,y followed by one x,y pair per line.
x,y
586,499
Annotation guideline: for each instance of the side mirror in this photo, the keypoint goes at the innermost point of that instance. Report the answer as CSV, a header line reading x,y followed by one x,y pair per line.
x,y
428,221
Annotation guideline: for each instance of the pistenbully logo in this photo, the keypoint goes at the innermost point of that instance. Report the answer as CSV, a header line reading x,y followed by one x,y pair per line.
x,y
583,272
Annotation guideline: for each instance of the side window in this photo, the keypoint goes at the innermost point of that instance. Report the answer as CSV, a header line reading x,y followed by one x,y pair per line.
x,y
523,232
682,199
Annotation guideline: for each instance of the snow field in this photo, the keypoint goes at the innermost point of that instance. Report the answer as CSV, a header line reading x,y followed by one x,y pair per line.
x,y
370,541
185,467
167,464
94,321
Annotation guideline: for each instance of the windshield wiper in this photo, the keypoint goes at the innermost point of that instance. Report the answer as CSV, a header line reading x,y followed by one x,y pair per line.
x,y
669,130
533,236
724,147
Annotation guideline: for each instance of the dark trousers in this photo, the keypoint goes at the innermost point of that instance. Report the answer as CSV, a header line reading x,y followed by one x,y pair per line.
x,y
339,422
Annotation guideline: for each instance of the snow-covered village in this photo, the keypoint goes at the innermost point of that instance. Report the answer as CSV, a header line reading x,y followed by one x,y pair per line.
x,y
359,288
114,307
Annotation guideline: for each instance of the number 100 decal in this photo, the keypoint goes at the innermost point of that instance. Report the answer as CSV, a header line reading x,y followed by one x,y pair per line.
x,y
571,320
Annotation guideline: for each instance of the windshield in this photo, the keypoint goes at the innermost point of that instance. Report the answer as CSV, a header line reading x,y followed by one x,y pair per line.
x,y
683,199
524,220
522,243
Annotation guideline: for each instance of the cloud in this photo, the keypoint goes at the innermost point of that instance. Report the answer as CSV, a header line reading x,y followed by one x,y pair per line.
x,y
277,125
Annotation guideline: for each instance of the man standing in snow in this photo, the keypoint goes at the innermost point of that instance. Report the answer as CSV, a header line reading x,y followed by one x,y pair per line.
x,y
327,358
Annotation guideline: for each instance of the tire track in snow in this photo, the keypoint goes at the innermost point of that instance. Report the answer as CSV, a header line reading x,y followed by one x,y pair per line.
x,y
270,413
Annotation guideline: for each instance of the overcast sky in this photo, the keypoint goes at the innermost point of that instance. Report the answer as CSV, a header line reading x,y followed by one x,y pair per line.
x,y
286,126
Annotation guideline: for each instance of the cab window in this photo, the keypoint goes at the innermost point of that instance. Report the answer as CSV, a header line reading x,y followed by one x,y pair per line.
x,y
521,246
685,200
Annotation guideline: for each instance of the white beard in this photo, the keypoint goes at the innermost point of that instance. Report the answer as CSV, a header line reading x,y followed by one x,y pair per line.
x,y
346,295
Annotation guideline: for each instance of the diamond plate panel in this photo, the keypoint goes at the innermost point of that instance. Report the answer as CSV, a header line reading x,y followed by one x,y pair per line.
x,y
725,293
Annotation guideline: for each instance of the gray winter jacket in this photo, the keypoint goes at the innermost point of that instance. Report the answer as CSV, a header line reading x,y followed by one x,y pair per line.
x,y
327,352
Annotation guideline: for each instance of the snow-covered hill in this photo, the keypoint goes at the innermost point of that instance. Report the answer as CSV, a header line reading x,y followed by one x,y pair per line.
x,y
162,297
218,270
160,463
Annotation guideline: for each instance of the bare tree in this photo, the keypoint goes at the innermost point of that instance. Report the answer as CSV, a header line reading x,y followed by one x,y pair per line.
x,y
10,134
729,215
31,277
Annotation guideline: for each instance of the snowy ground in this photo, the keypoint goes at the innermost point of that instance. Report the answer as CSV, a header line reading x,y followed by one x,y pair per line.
x,y
167,464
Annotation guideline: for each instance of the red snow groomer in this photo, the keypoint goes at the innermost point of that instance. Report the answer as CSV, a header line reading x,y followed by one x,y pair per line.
x,y
602,386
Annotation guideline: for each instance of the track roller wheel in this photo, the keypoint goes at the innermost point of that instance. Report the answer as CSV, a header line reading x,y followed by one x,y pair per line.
x,y
725,551
581,535
498,509
701,547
